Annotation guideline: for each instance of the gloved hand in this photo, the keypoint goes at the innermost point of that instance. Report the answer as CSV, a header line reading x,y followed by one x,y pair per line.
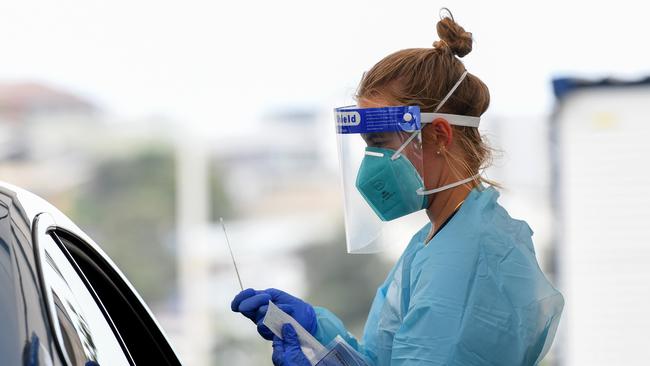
x,y
254,303
286,351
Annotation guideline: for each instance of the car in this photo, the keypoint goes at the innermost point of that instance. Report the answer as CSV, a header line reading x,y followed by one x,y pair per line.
x,y
63,301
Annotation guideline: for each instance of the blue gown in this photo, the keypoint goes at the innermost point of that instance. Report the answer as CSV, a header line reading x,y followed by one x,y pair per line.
x,y
474,295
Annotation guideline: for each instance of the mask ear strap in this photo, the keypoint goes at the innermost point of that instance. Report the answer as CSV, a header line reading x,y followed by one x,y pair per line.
x,y
442,102
422,192
453,89
403,146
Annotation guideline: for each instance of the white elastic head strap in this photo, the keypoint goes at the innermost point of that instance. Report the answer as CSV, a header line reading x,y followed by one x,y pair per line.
x,y
453,119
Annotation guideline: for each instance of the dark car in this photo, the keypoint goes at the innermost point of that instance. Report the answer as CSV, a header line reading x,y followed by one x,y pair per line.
x,y
62,300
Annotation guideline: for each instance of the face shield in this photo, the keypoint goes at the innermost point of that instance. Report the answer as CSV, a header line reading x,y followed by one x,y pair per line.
x,y
382,162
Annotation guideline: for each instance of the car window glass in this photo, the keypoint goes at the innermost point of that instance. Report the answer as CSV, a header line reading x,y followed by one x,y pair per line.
x,y
85,332
138,329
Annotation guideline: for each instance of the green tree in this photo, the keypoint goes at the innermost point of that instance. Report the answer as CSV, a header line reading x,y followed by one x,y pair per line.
x,y
129,209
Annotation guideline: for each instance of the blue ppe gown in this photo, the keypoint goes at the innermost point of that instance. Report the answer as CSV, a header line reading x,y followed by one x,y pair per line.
x,y
474,295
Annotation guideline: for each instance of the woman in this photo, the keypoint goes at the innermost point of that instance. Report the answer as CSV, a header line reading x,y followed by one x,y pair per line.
x,y
467,290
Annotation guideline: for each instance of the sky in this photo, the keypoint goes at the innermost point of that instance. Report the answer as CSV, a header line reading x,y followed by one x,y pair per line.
x,y
213,65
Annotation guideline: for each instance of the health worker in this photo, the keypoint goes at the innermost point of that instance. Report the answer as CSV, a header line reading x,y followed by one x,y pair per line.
x,y
468,289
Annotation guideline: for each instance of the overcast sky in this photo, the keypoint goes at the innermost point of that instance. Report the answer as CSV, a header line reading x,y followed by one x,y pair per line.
x,y
207,62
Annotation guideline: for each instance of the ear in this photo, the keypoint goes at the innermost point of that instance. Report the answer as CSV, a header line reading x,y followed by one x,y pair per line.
x,y
438,132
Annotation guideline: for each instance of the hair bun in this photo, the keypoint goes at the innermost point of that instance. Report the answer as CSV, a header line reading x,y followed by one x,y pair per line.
x,y
452,35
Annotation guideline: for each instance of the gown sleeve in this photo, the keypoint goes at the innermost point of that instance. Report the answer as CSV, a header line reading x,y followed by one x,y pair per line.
x,y
330,326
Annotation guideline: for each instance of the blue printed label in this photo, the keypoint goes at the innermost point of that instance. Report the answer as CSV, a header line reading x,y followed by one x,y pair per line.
x,y
369,120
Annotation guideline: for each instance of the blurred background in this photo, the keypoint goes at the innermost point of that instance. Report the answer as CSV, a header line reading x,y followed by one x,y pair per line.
x,y
147,121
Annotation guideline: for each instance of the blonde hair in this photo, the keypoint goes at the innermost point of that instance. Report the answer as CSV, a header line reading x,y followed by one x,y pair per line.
x,y
423,76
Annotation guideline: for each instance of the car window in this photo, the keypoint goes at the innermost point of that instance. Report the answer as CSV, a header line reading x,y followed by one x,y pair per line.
x,y
85,335
140,333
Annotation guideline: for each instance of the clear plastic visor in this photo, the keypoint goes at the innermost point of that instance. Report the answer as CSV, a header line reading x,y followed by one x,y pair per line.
x,y
380,156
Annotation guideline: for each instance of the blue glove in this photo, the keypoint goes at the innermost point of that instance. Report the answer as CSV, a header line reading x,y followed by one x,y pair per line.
x,y
286,351
254,303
